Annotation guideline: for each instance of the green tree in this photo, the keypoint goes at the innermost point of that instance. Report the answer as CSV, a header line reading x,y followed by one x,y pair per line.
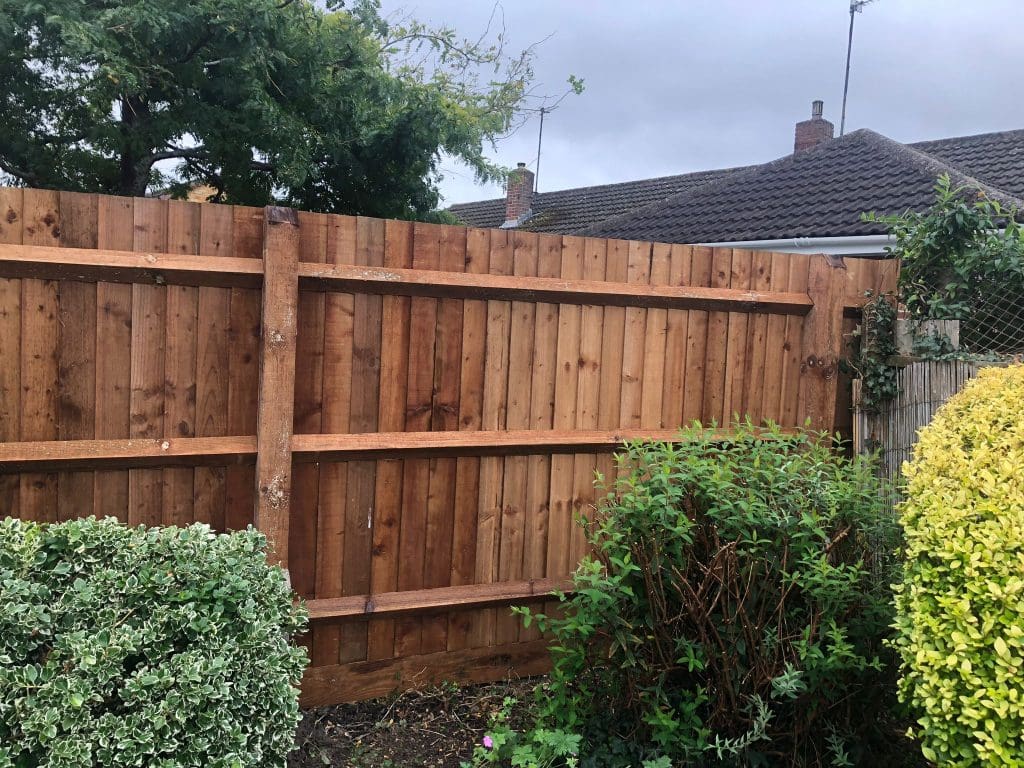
x,y
336,110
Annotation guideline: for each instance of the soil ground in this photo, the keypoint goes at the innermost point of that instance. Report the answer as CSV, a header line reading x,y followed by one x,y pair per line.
x,y
435,728
439,727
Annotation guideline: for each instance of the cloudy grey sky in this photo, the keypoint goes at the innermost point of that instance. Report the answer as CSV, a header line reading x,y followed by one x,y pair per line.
x,y
687,85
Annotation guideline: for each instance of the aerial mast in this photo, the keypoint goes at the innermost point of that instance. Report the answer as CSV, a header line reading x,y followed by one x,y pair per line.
x,y
856,6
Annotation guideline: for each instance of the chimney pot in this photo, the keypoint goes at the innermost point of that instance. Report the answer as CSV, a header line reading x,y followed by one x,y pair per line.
x,y
519,196
811,133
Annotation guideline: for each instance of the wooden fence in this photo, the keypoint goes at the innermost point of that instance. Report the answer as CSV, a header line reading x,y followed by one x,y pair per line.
x,y
413,413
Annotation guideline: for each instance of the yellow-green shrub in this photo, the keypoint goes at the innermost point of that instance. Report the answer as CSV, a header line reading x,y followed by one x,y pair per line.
x,y
960,609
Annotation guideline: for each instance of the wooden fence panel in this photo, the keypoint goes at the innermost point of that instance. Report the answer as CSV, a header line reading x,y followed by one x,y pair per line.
x,y
413,413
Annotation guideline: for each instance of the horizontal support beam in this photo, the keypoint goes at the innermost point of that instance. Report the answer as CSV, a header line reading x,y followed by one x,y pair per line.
x,y
123,454
438,599
362,680
91,265
460,285
48,455
422,445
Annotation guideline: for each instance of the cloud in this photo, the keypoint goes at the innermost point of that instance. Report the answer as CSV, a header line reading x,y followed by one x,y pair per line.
x,y
683,86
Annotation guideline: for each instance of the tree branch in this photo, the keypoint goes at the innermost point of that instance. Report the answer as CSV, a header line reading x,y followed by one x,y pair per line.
x,y
26,176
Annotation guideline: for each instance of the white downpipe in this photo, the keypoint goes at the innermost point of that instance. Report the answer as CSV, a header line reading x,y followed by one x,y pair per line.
x,y
859,245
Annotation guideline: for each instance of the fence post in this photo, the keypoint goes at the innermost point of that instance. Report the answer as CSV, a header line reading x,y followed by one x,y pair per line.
x,y
278,325
821,343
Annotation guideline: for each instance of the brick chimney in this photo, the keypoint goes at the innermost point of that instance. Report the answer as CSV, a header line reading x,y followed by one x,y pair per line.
x,y
811,133
519,196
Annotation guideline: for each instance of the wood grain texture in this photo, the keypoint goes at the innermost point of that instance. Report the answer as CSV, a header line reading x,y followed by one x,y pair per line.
x,y
76,355
737,366
115,229
493,417
453,394
10,347
418,416
39,354
567,370
216,233
394,377
332,494
440,531
277,381
180,354
717,351
467,469
821,343
243,365
697,340
364,406
525,254
677,325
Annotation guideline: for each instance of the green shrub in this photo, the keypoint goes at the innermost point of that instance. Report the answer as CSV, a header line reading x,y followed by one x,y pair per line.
x,y
734,614
133,647
960,609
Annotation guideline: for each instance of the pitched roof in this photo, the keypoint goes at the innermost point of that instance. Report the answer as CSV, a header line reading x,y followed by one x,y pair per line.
x,y
572,210
998,158
821,192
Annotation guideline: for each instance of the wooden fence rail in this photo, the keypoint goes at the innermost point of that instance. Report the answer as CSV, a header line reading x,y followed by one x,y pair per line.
x,y
413,413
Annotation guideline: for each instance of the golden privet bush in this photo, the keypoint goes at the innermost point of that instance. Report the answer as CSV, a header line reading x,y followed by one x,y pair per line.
x,y
960,608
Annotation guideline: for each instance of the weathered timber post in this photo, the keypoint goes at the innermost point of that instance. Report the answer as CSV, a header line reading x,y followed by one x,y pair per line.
x,y
278,325
822,341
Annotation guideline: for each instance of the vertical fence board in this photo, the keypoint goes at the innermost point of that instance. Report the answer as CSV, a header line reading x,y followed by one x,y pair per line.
x,y
333,490
520,381
697,340
308,414
115,229
717,353
654,343
394,373
542,409
567,370
675,342
10,348
757,337
212,364
364,407
444,416
777,348
613,343
180,354
638,271
419,410
737,367
39,385
243,366
148,378
76,357
496,356
788,406
467,469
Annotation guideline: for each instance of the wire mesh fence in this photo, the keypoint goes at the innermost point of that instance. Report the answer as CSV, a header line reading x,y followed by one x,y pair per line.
x,y
993,324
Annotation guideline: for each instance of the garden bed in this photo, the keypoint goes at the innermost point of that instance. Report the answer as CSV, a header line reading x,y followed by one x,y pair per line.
x,y
434,728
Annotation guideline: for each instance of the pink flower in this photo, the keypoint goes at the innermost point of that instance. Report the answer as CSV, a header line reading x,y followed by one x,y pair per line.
x,y
488,742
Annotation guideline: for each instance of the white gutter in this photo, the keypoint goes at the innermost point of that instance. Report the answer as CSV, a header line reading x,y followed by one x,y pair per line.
x,y
859,245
